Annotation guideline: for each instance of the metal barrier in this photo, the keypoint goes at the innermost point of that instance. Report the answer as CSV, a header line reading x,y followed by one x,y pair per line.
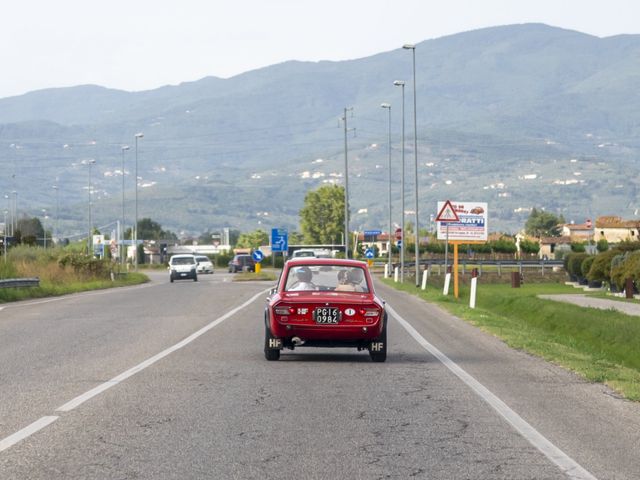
x,y
20,282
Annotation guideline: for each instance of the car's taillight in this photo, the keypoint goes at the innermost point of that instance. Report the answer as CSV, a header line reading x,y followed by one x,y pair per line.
x,y
283,310
370,312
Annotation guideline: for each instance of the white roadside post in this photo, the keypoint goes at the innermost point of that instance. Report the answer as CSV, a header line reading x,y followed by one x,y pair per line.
x,y
474,286
447,280
386,271
395,274
425,276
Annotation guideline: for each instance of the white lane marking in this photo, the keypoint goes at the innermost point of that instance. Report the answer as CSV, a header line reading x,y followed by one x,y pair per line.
x,y
566,464
70,405
26,432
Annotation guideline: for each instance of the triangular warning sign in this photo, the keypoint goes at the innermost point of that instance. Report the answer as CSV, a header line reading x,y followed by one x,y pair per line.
x,y
447,214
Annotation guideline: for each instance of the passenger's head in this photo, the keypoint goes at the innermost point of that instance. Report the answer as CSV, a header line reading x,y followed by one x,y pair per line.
x,y
355,276
304,274
343,277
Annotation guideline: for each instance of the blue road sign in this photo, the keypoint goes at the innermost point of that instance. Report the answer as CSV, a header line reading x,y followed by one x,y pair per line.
x,y
372,233
399,243
369,253
258,256
279,240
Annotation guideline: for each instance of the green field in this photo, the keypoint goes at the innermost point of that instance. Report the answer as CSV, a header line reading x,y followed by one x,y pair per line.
x,y
600,345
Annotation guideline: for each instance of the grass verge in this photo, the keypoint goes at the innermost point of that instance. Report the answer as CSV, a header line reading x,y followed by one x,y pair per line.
x,y
50,288
600,345
251,276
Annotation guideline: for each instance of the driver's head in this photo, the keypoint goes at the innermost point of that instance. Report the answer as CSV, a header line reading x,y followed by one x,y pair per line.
x,y
304,274
355,275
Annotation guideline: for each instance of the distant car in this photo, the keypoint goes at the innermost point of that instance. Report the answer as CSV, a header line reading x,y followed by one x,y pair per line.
x,y
242,262
308,252
204,264
321,302
183,267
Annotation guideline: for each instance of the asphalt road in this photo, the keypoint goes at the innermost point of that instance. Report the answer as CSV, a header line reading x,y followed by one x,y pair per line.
x,y
98,386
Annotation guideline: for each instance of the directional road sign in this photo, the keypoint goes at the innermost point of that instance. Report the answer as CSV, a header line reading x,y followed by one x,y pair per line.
x,y
369,253
279,240
258,256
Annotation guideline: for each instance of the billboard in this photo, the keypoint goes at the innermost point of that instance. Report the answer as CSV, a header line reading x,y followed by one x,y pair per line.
x,y
471,225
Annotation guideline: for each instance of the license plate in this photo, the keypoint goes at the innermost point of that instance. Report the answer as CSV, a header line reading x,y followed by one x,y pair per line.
x,y
183,274
326,315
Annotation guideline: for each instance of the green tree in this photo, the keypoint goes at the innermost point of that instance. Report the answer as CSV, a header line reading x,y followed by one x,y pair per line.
x,y
322,216
150,230
543,224
253,239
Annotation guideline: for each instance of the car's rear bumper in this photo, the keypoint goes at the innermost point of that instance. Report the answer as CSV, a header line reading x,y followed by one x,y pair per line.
x,y
339,334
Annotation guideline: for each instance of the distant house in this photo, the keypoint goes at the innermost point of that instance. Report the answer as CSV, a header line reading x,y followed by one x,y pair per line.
x,y
381,242
615,229
550,245
577,232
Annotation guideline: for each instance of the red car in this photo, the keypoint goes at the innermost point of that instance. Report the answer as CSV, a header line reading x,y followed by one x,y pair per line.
x,y
324,302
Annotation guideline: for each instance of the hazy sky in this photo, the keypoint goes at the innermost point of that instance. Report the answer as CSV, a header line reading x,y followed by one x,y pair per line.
x,y
144,44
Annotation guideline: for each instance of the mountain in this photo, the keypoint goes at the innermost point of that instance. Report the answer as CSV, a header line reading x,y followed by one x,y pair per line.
x,y
517,116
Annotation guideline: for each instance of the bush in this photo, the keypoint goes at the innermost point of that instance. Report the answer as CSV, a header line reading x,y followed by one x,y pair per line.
x,y
602,245
574,264
628,266
529,246
601,266
86,266
503,246
628,246
586,265
577,247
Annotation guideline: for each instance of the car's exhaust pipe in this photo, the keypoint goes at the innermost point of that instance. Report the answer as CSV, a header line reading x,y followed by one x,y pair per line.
x,y
297,341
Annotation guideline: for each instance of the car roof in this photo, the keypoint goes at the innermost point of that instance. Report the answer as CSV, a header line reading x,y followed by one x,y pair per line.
x,y
181,255
342,262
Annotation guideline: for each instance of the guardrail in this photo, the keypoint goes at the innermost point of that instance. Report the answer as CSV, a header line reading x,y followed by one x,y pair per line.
x,y
20,282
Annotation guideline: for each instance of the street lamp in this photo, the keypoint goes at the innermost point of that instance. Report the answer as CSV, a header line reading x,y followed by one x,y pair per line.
x,y
400,83
8,209
44,227
14,215
5,236
57,232
346,186
415,163
387,106
135,230
89,162
122,256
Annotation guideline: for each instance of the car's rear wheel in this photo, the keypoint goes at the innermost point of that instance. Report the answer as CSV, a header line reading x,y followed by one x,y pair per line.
x,y
378,348
195,278
171,278
269,353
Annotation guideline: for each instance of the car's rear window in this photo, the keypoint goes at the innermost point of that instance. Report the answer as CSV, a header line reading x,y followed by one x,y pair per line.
x,y
327,278
182,261
202,259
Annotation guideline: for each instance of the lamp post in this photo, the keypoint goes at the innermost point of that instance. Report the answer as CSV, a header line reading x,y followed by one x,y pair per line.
x,y
400,83
57,231
7,210
4,256
346,186
415,163
387,106
124,148
14,215
135,229
90,162
44,227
